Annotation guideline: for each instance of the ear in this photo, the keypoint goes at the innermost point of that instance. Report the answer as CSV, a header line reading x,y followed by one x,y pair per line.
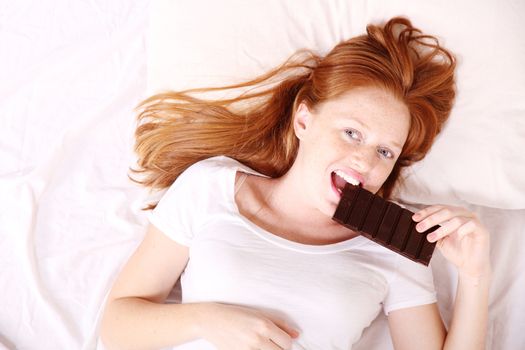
x,y
302,120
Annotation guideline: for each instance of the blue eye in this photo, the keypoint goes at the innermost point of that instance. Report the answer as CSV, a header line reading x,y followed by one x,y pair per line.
x,y
353,134
385,153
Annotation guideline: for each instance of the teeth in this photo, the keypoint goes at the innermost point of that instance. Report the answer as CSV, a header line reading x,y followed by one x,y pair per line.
x,y
347,178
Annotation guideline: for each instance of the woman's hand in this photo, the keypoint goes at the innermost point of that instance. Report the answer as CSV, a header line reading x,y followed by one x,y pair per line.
x,y
462,239
231,327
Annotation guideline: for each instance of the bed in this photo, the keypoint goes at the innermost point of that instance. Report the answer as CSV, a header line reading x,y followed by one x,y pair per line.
x,y
72,72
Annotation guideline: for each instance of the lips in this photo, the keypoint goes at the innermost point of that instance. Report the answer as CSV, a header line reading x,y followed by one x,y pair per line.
x,y
341,178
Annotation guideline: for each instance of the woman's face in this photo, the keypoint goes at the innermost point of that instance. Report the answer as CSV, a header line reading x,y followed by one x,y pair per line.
x,y
356,137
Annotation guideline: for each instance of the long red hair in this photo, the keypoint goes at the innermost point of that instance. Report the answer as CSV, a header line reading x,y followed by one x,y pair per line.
x,y
177,129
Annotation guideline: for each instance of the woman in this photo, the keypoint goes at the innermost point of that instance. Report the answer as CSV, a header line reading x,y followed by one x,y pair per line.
x,y
253,183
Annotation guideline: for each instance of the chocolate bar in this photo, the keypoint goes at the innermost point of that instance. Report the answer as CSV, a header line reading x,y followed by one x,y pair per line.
x,y
384,222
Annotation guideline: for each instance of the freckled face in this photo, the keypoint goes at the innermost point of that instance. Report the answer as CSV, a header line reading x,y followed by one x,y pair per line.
x,y
358,135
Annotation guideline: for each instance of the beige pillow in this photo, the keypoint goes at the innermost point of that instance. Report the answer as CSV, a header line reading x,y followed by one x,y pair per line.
x,y
480,156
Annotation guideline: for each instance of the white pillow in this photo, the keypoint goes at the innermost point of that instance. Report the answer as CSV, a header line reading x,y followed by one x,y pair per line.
x,y
480,156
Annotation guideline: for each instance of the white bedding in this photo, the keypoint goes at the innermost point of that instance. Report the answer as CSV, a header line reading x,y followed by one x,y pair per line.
x,y
72,72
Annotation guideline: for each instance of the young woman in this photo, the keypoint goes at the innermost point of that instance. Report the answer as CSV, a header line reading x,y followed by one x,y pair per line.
x,y
253,184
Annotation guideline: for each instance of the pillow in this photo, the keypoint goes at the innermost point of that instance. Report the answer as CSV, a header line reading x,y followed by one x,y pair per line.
x,y
479,156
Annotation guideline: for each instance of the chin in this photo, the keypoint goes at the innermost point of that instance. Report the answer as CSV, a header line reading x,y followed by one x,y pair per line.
x,y
330,208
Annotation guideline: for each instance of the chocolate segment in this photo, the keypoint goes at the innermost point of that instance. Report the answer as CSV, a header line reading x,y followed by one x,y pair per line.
x,y
413,244
346,203
404,226
361,207
389,223
384,222
374,217
428,248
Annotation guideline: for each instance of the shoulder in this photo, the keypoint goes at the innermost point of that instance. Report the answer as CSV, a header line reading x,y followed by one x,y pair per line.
x,y
209,178
409,284
216,163
201,190
208,172
397,270
394,264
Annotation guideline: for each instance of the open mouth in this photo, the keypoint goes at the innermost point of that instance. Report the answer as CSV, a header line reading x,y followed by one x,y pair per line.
x,y
340,179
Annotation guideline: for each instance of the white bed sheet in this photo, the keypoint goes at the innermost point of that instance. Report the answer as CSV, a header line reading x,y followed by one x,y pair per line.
x,y
71,73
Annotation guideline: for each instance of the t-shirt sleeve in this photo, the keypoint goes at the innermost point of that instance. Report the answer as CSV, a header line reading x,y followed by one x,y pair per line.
x,y
412,285
175,213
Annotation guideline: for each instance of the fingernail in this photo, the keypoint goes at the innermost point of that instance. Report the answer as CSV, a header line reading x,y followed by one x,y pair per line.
x,y
431,237
420,227
415,217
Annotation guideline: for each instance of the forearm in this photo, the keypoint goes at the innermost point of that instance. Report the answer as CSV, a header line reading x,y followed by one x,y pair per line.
x,y
469,322
134,323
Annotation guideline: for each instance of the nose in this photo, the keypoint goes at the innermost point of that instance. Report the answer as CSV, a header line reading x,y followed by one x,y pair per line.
x,y
364,159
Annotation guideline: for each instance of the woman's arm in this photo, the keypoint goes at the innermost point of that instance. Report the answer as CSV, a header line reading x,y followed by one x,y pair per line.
x,y
418,327
137,318
421,327
464,241
468,328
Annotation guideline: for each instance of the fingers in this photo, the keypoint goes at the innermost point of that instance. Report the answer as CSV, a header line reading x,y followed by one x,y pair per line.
x,y
437,215
282,325
447,227
451,219
281,335
461,237
270,345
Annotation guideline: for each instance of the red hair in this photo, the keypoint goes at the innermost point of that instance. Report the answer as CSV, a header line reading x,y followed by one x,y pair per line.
x,y
178,129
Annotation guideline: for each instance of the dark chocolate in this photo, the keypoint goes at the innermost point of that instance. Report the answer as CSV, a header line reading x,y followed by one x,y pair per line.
x,y
384,222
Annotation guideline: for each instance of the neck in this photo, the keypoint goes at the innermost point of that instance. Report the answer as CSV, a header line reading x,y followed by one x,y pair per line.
x,y
278,205
288,200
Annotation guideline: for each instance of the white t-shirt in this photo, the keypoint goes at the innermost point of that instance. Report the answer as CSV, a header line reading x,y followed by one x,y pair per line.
x,y
330,293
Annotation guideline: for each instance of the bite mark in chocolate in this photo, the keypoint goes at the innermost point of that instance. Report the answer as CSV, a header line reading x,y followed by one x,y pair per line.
x,y
384,222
